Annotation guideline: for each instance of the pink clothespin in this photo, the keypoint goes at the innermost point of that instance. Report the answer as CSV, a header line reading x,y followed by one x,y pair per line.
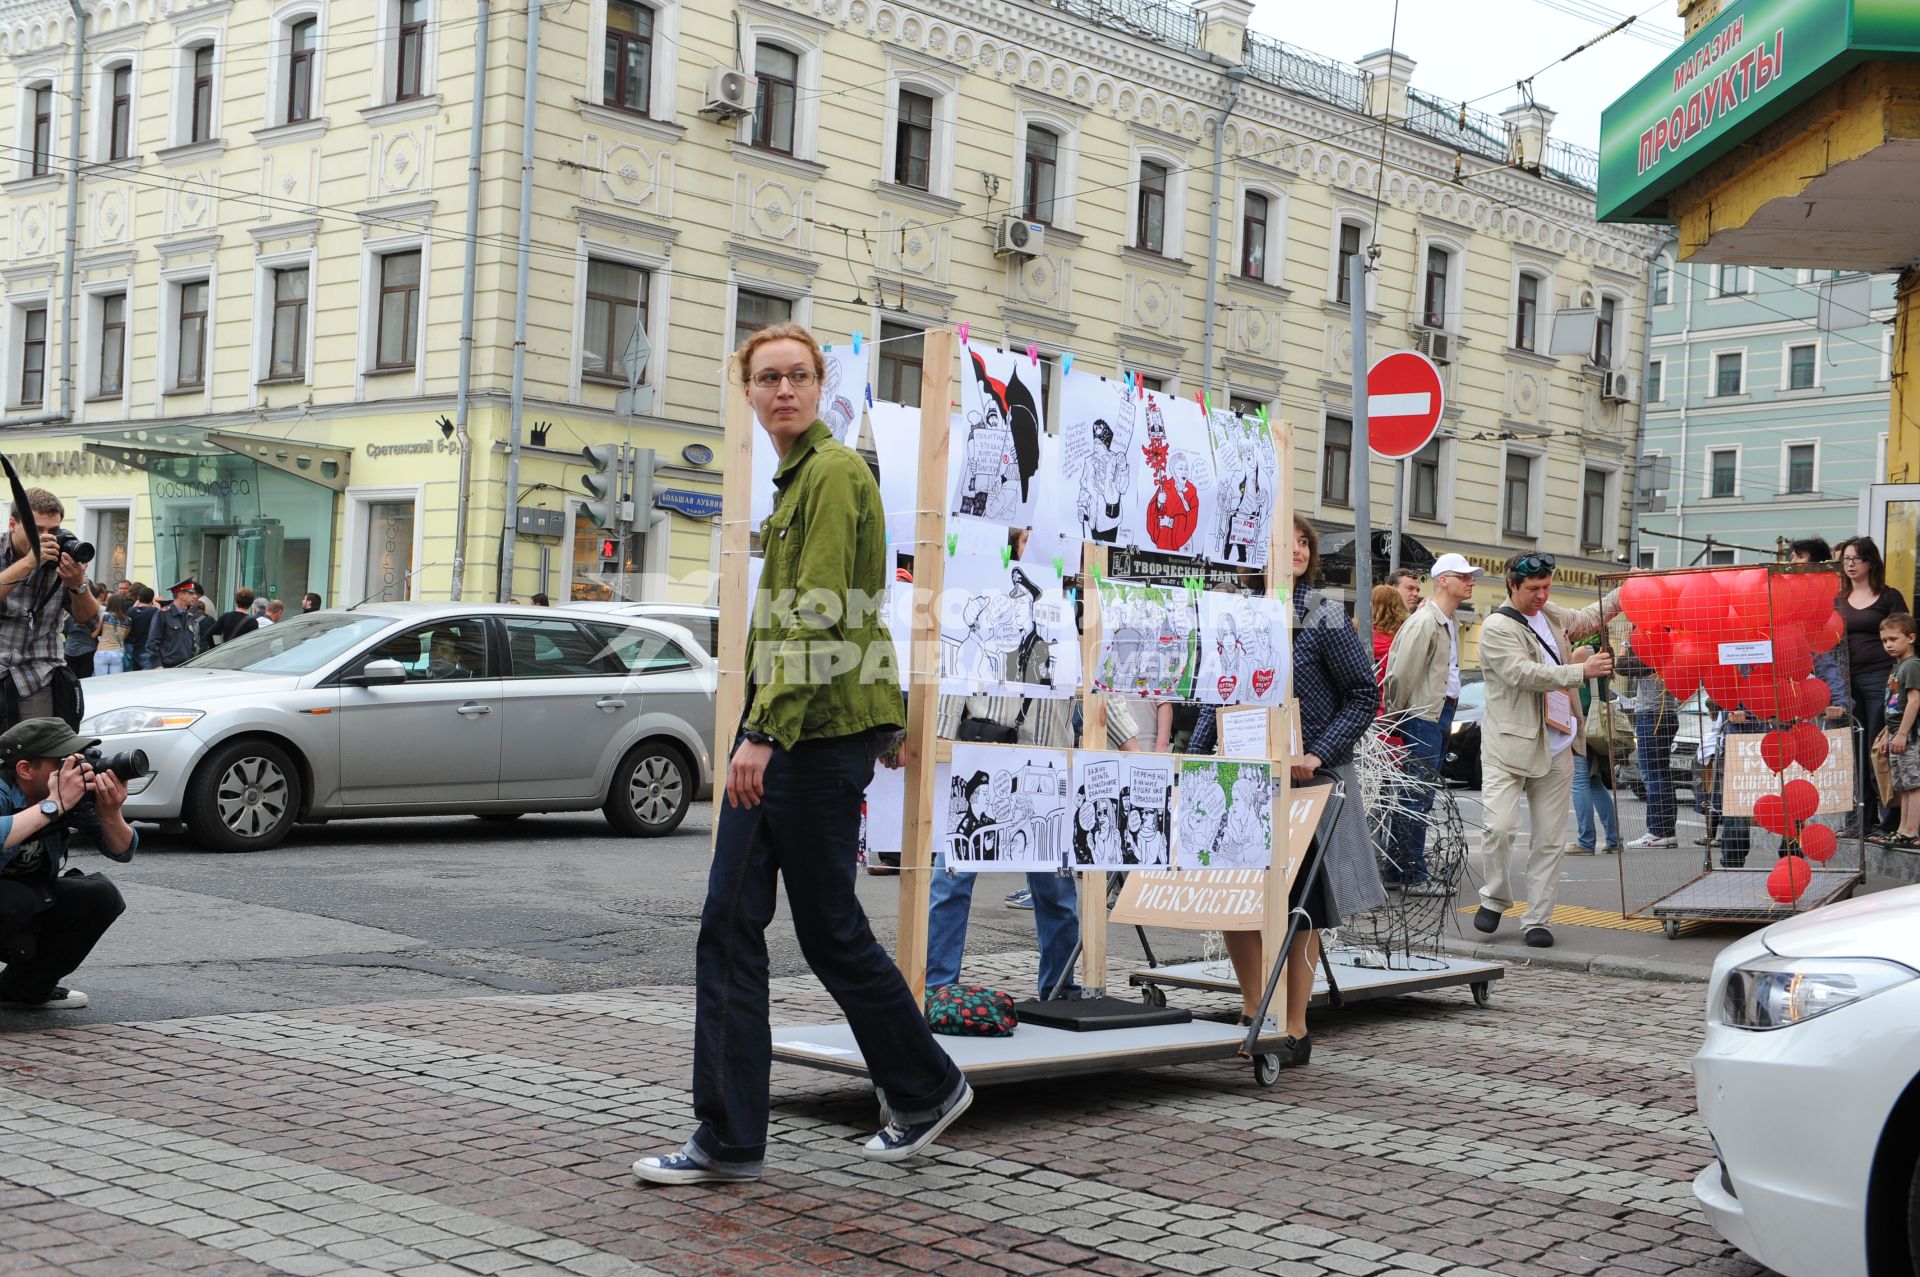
x,y
1033,353
964,329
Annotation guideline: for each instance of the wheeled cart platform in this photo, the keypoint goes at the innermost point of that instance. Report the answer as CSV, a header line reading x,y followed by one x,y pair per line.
x,y
1351,984
1740,895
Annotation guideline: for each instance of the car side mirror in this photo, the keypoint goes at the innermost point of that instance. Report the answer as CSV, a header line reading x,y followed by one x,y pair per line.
x,y
378,674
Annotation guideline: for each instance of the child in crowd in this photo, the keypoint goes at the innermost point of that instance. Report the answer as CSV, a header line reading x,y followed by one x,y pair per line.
x,y
1903,706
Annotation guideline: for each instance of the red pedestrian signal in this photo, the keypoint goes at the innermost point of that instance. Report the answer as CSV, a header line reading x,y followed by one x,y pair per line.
x,y
609,548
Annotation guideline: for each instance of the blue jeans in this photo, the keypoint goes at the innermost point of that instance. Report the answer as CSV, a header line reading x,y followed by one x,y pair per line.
x,y
105,662
806,830
1653,733
1056,921
1589,798
1426,748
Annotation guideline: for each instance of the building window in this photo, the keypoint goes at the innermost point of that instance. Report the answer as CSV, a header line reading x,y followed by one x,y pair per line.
x,y
627,80
1723,472
1656,380
1253,237
901,355
913,141
778,71
190,357
1800,460
399,314
1343,263
1336,462
302,39
410,52
200,125
616,306
1729,371
1800,367
1603,333
1516,516
1593,510
288,355
1526,313
1731,281
42,130
1662,283
1720,558
113,346
1042,173
1423,496
753,311
1433,305
120,114
1649,560
1150,208
33,355
1156,384
1241,406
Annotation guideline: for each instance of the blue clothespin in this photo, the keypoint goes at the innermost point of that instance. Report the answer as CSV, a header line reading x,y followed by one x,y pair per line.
x,y
1066,363
856,341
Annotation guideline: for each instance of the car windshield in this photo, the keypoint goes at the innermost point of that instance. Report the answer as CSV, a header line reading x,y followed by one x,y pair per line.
x,y
1472,695
297,645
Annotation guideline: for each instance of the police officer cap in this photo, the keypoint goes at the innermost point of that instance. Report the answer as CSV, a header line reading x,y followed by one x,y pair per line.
x,y
188,584
42,738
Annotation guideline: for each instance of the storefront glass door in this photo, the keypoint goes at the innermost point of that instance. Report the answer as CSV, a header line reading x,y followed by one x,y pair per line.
x,y
1893,521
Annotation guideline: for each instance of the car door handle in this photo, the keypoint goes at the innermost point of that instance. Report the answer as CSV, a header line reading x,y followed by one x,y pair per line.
x,y
470,709
609,703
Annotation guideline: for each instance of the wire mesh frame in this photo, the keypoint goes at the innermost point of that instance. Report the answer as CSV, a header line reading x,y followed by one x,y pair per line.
x,y
1718,866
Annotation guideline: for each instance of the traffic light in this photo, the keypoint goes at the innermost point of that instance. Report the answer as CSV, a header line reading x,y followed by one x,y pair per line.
x,y
602,484
645,513
609,549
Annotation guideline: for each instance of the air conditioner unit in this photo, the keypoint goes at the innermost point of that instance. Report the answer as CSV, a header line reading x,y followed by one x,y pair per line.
x,y
730,94
1617,387
1434,344
1017,237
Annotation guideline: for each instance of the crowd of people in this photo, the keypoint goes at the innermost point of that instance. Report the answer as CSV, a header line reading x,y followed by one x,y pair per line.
x,y
130,630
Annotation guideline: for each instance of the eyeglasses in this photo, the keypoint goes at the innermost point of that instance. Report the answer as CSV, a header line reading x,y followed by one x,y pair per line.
x,y
1851,558
799,378
1531,565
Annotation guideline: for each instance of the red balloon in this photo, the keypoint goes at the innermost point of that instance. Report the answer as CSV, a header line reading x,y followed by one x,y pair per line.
x,y
1748,599
1815,697
1789,879
1759,694
1693,657
1770,813
1807,746
1646,600
1776,751
1829,632
1654,646
1723,686
1792,653
1700,601
1800,798
1819,842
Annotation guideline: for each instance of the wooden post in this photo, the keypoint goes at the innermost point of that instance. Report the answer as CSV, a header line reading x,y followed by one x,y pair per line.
x,y
736,608
924,808
1092,885
1273,932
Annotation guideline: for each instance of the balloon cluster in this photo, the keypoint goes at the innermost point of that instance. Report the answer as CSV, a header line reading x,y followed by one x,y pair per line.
x,y
1681,620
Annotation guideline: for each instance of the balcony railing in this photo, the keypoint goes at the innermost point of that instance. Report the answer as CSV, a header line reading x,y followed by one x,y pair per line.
x,y
1273,62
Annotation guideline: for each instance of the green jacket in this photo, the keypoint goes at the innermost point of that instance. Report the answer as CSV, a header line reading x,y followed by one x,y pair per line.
x,y
819,659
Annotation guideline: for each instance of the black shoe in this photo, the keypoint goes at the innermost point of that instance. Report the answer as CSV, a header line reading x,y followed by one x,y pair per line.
x,y
1295,1052
1487,920
59,998
1539,938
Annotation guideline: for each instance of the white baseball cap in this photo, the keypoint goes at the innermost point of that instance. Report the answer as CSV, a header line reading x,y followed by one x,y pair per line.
x,y
1454,563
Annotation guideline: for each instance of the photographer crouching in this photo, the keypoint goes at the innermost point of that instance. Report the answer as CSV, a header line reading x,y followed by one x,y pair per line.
x,y
36,594
49,921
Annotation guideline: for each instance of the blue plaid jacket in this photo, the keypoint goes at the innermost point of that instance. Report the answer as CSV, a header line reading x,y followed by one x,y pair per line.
x,y
1332,677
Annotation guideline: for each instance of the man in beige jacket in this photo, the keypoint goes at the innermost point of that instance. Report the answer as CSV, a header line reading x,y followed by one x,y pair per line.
x,y
1422,691
1527,733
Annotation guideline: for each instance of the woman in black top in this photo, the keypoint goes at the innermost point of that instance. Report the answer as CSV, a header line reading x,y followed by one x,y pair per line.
x,y
1867,602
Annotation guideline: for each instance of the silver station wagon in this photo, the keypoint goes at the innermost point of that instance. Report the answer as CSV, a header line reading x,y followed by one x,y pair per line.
x,y
418,709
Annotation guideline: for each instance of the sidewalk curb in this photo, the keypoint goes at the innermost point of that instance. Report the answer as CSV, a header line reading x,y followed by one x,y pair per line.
x,y
1606,964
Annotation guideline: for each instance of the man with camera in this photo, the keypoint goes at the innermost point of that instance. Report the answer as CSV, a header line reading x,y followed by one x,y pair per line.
x,y
49,921
180,632
37,593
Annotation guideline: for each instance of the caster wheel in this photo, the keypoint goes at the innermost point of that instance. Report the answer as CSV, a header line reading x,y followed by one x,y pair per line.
x,y
1266,1069
1153,995
1482,992
1672,927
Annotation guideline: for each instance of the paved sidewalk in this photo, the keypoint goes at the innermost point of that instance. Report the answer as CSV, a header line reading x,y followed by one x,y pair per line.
x,y
1550,1133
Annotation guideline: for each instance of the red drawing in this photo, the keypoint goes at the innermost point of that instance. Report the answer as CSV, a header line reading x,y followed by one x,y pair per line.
x,y
1262,683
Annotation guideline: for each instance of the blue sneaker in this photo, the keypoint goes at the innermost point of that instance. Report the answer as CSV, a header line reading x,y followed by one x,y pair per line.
x,y
679,1168
900,1141
1021,899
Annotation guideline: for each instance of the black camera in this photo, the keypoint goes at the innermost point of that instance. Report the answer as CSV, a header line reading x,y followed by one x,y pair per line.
x,y
128,766
80,551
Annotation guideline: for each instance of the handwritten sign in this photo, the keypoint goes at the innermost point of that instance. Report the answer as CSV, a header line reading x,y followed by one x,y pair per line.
x,y
1218,900
1243,731
1745,776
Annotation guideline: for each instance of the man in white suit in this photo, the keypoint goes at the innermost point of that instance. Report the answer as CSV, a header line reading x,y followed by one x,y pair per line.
x,y
1527,733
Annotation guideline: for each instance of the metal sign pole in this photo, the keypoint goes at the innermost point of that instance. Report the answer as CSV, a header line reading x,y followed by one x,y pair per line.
x,y
1399,509
1361,454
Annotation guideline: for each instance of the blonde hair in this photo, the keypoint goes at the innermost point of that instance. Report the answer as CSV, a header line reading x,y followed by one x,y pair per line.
x,y
773,333
1389,609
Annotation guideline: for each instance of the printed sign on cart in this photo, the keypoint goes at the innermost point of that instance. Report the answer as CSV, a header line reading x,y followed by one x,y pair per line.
x,y
1745,775
1218,900
1007,808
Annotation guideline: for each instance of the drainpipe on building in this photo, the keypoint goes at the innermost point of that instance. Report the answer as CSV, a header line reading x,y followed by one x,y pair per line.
x,y
1640,425
464,403
507,536
1235,76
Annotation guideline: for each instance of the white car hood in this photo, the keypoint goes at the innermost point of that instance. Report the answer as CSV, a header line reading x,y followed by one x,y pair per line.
x,y
1883,925
183,688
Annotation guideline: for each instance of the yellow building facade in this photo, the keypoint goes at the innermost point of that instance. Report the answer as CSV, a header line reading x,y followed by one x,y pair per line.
x,y
271,254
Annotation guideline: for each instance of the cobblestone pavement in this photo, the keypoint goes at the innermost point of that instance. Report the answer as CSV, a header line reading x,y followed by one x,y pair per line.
x,y
1550,1133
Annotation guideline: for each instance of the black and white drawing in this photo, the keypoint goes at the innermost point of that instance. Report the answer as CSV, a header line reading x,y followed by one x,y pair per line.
x,y
1006,628
996,454
1122,809
1172,478
1006,808
1247,472
1225,815
1243,650
1148,641
1096,436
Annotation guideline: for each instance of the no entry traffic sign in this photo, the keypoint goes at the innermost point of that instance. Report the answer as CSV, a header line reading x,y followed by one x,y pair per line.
x,y
1404,402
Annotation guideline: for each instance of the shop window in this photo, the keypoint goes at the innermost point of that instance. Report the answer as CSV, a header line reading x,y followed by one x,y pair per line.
x,y
627,73
287,359
616,306
398,315
1336,462
778,72
901,354
33,356
753,311
109,528
387,568
110,379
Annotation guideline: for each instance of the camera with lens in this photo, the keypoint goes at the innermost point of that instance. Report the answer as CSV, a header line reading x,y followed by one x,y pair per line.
x,y
80,551
128,765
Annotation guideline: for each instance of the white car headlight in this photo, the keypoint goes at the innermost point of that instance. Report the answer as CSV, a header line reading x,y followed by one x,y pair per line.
x,y
119,722
1772,993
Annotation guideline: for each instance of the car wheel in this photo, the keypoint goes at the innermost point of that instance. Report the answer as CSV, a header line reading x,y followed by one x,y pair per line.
x,y
244,797
1913,1219
651,791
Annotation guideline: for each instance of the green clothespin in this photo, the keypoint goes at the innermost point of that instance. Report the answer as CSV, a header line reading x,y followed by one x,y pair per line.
x,y
1060,566
1099,577
953,544
1006,555
1263,414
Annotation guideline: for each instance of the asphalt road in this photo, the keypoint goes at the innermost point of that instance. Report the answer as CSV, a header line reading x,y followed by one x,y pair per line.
x,y
397,909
